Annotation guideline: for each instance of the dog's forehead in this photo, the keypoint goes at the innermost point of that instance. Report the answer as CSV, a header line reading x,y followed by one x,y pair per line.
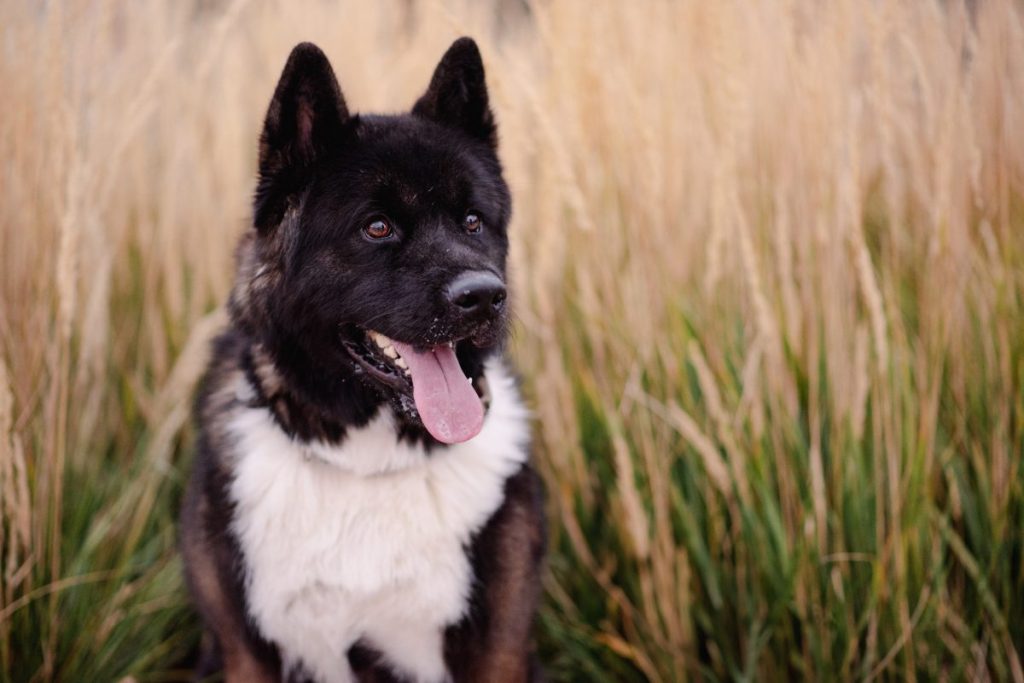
x,y
415,186
415,160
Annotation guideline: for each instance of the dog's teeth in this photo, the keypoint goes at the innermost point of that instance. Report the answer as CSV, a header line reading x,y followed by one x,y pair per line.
x,y
380,340
400,362
390,352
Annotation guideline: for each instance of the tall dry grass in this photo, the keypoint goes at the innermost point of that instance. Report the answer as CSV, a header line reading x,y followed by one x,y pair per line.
x,y
769,260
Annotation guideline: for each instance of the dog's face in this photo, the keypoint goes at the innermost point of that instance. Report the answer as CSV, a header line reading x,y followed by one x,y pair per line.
x,y
381,240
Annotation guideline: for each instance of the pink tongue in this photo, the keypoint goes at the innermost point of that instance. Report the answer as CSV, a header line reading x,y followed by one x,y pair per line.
x,y
448,405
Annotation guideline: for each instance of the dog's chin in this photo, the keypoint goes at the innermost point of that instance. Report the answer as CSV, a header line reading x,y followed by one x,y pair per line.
x,y
379,359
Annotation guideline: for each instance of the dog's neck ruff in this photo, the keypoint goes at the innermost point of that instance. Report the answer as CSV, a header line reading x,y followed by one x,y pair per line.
x,y
365,541
305,420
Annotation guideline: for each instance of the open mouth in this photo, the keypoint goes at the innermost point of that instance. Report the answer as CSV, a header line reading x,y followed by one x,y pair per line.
x,y
450,404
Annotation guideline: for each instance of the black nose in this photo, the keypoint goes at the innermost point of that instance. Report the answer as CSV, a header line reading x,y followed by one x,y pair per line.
x,y
477,294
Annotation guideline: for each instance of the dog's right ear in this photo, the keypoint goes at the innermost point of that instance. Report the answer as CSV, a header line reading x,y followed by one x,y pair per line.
x,y
305,119
457,95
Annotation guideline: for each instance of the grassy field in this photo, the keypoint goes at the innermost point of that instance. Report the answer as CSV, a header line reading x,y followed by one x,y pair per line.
x,y
769,267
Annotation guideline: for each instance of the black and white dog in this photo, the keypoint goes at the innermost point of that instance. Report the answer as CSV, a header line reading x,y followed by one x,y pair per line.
x,y
362,505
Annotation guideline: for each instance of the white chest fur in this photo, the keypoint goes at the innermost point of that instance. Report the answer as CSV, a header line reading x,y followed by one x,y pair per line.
x,y
366,540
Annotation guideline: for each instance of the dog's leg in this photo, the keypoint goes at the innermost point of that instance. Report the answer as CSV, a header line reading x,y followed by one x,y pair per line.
x,y
493,642
225,624
209,569
210,660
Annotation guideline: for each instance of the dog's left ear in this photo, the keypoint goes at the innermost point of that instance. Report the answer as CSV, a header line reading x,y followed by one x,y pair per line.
x,y
305,120
457,96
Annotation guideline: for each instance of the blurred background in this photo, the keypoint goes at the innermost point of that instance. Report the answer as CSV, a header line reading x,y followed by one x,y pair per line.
x,y
769,285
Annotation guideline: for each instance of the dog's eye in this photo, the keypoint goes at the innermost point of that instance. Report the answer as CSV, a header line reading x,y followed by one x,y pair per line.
x,y
378,229
472,223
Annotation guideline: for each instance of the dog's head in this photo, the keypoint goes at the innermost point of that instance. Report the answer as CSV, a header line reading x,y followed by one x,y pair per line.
x,y
379,247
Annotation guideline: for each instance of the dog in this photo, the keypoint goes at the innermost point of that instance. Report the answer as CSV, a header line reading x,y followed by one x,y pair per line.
x,y
362,506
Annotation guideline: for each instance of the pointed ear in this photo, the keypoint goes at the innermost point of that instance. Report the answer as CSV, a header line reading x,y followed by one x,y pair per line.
x,y
457,96
306,117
